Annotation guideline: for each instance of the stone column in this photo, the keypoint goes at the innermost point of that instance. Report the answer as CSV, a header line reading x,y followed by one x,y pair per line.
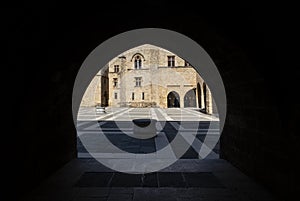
x,y
196,97
181,100
209,101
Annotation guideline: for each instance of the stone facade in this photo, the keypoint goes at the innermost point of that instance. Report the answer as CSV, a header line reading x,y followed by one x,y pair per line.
x,y
149,76
97,91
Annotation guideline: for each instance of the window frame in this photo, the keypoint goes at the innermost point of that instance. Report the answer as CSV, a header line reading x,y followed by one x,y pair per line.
x,y
115,82
171,61
137,62
116,68
138,81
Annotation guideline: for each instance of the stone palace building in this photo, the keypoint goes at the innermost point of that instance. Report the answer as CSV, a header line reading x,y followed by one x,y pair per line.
x,y
149,76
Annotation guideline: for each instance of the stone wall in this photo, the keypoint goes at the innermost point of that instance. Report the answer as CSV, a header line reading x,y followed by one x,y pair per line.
x,y
92,95
97,91
157,79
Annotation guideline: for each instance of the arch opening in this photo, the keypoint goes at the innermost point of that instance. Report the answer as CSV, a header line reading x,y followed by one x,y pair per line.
x,y
190,98
147,95
173,99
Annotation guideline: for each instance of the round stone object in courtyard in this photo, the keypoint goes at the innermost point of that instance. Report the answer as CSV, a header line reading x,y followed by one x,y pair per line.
x,y
144,128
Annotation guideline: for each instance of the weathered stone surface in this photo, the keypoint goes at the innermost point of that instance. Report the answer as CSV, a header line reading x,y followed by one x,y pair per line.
x,y
157,81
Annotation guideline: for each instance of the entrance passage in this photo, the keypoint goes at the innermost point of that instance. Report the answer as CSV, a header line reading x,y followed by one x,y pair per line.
x,y
190,98
173,99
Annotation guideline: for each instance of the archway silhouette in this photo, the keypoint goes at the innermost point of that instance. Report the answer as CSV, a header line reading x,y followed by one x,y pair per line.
x,y
190,98
173,99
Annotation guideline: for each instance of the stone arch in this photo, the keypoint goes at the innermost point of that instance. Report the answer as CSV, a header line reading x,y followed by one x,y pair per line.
x,y
190,98
138,62
116,45
111,47
137,54
173,99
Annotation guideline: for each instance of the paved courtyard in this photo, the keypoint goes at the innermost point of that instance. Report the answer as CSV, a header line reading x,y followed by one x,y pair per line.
x,y
98,131
169,114
189,178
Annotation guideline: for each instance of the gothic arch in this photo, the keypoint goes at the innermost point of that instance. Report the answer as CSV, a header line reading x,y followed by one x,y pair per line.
x,y
190,98
137,54
173,99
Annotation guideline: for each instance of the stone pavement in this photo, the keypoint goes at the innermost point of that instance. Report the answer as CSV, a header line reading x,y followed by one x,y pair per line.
x,y
186,179
119,113
116,125
190,178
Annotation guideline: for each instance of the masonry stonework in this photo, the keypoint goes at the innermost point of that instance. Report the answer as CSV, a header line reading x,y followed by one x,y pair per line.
x,y
149,76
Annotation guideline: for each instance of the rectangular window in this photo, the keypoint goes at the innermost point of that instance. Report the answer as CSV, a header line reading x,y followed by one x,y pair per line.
x,y
115,82
116,68
171,61
116,95
138,81
132,96
143,96
186,63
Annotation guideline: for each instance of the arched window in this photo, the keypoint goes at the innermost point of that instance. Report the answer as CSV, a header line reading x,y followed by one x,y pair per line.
x,y
137,62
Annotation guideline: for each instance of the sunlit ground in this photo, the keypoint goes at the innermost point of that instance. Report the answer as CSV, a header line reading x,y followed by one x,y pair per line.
x,y
116,125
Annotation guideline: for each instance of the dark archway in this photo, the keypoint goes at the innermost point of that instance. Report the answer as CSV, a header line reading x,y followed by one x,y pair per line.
x,y
199,95
190,98
173,99
64,65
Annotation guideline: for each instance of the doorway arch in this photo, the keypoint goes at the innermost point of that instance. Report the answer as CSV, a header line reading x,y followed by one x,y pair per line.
x,y
173,99
190,98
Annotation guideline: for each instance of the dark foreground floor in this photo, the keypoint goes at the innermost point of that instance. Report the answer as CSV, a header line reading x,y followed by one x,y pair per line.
x,y
187,179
